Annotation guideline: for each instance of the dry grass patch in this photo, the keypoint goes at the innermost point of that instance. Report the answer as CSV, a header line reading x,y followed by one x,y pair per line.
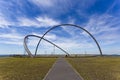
x,y
25,68
97,68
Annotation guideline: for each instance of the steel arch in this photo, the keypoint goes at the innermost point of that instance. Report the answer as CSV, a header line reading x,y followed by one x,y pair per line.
x,y
73,26
28,51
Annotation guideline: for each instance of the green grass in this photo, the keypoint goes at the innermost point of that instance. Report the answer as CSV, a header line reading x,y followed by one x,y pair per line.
x,y
97,68
24,68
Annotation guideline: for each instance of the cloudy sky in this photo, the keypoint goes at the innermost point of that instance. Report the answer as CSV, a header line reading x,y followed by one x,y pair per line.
x,y
19,18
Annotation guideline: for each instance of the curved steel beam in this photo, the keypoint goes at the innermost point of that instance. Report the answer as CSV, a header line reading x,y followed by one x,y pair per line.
x,y
73,26
28,51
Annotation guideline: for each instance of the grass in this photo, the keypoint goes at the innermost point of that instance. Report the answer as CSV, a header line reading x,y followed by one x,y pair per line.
x,y
24,68
97,68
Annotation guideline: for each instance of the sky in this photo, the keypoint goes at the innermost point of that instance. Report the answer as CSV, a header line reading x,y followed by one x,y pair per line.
x,y
19,18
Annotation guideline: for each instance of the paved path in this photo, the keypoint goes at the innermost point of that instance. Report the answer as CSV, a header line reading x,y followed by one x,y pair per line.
x,y
62,70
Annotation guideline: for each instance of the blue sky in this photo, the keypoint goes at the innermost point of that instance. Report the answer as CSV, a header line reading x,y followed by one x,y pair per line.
x,y
19,18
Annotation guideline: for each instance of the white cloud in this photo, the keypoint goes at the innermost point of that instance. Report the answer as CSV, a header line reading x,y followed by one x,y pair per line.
x,y
45,21
17,39
105,28
49,36
12,42
50,3
11,38
74,44
45,3
98,24
3,22
7,14
37,22
54,7
27,22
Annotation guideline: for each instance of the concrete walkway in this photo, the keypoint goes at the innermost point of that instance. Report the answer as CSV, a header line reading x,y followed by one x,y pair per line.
x,y
62,70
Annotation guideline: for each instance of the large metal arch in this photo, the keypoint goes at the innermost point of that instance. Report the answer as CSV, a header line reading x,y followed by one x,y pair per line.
x,y
99,48
28,51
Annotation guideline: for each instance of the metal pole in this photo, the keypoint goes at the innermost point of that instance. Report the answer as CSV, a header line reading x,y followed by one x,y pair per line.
x,y
54,49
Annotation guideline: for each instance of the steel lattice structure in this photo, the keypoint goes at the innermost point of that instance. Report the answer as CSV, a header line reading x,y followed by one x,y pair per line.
x,y
42,38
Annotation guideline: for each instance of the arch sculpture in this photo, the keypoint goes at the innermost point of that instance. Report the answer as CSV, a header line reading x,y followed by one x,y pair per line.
x,y
28,51
72,25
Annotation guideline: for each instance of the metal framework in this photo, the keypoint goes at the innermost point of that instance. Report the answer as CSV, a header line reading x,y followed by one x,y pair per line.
x,y
28,51
73,26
